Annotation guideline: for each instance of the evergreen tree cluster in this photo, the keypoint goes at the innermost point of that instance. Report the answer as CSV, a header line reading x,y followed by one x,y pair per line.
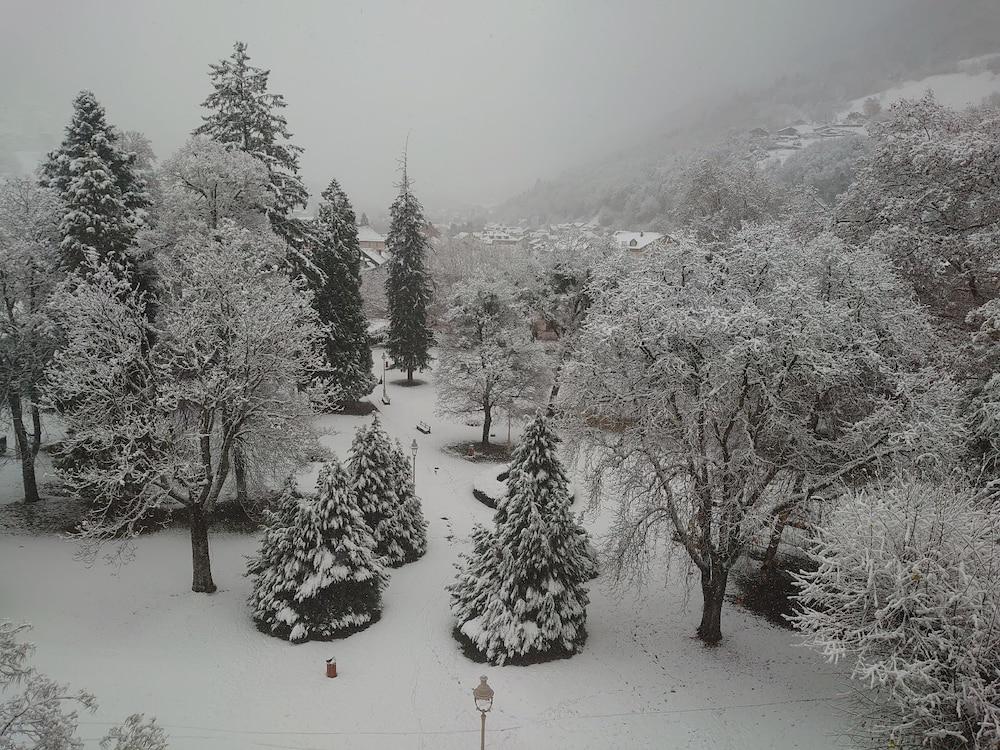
x,y
322,563
337,298
408,284
519,594
103,196
317,575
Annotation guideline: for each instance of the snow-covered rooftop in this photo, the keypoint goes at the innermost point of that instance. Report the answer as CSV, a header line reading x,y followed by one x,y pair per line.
x,y
636,240
367,234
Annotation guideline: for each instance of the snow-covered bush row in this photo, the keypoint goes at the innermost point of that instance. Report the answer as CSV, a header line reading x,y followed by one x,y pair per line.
x,y
490,485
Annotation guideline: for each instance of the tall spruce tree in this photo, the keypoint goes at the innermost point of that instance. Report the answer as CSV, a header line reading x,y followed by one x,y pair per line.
x,y
338,298
243,113
413,527
520,595
320,577
103,195
375,475
408,284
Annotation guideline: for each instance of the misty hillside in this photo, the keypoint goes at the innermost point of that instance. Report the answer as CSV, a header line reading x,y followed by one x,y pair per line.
x,y
944,46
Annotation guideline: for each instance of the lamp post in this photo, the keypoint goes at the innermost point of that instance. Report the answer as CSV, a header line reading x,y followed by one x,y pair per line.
x,y
483,695
413,450
385,364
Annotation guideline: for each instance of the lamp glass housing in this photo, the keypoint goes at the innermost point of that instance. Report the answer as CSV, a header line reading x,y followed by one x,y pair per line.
x,y
483,695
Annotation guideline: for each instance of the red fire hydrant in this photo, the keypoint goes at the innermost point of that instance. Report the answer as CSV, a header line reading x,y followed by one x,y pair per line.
x,y
331,667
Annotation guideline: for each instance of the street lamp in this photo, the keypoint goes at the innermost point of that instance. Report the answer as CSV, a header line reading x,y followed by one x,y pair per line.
x,y
413,450
483,695
385,364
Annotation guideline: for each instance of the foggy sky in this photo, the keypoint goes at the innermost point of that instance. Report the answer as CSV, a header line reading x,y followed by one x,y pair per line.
x,y
493,95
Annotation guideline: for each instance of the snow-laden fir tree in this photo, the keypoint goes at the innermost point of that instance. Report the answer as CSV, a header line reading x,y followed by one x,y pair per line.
x,y
548,464
271,587
534,603
408,284
475,582
373,468
104,198
320,577
412,525
242,112
338,297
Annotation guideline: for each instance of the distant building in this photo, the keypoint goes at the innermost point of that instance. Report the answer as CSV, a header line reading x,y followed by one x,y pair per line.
x,y
373,251
370,239
636,241
498,234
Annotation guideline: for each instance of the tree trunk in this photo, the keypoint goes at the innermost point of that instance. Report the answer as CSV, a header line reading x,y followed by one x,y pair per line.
x,y
771,554
23,448
409,375
550,411
36,426
201,580
240,472
713,589
487,425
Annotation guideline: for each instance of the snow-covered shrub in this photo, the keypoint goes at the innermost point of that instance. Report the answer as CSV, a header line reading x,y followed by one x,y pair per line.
x,y
490,485
519,595
907,589
37,712
317,575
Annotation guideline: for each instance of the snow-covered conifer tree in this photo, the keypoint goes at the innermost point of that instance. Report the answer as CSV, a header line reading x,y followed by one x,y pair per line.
x,y
321,577
534,603
372,464
412,525
104,198
242,112
408,285
271,587
475,582
338,297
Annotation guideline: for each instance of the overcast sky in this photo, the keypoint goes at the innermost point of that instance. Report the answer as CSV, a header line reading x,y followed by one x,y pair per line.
x,y
494,95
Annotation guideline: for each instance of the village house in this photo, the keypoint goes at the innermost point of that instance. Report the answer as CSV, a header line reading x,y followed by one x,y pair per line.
x,y
638,241
372,243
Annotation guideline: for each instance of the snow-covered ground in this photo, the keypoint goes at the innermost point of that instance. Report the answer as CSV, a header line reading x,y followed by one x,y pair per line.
x,y
139,639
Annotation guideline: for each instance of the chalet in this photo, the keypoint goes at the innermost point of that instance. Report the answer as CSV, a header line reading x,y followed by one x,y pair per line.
x,y
637,241
373,252
370,239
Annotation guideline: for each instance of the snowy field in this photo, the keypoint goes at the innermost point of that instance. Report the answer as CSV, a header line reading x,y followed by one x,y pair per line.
x,y
140,640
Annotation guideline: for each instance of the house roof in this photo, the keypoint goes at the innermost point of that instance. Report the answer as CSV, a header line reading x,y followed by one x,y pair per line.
x,y
372,258
367,234
641,239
